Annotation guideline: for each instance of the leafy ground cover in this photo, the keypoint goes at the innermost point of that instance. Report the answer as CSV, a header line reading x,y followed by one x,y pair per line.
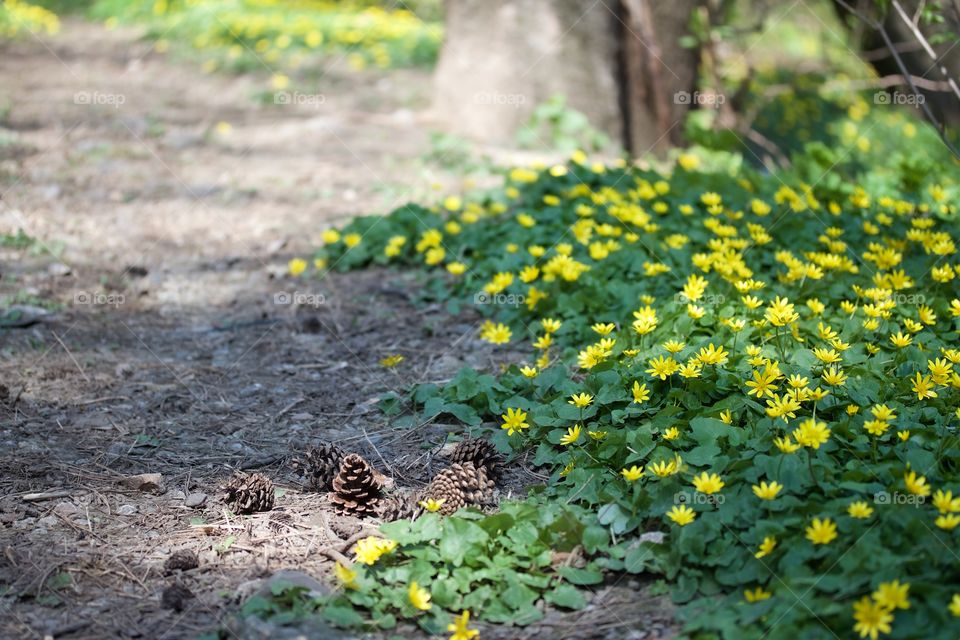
x,y
760,367
17,16
242,35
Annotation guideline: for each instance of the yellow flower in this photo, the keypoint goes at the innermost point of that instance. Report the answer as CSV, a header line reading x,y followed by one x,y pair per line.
x,y
456,268
900,341
528,372
640,393
459,628
682,515
945,502
495,333
756,595
368,550
923,387
871,618
766,491
917,485
671,434
811,433
346,575
834,377
786,444
551,325
860,510
580,400
572,435
391,361
514,421
955,605
603,329
432,505
297,266
821,531
766,547
948,522
708,483
662,367
419,597
632,474
892,595
352,239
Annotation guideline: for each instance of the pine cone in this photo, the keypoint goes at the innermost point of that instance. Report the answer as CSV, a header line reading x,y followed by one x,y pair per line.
x,y
182,560
460,485
175,597
479,453
396,507
357,488
249,493
320,465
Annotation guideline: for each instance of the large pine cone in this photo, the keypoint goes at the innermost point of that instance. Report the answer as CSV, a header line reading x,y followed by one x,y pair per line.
x,y
460,485
356,488
479,453
320,465
249,493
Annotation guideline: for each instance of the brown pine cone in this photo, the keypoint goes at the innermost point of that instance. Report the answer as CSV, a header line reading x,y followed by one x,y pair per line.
x,y
182,560
320,465
176,597
357,487
249,493
458,486
481,454
397,507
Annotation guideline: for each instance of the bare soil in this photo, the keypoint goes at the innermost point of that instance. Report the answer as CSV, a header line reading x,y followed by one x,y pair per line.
x,y
169,347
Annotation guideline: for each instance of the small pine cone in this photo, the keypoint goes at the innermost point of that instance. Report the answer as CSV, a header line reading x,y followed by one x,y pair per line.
x,y
477,487
182,560
479,453
396,507
249,493
357,488
320,465
175,597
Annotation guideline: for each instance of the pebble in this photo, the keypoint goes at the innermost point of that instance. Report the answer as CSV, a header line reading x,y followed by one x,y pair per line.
x,y
126,510
195,500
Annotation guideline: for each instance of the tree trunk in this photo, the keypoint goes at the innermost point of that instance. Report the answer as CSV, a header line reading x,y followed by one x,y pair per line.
x,y
620,65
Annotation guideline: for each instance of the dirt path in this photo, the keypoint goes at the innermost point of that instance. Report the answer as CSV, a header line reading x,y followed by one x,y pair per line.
x,y
161,242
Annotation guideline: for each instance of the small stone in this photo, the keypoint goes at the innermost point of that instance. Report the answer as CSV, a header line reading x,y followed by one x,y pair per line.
x,y
146,482
65,509
59,269
195,500
126,510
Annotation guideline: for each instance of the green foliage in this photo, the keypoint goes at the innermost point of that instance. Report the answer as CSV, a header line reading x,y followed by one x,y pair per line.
x,y
496,566
555,125
245,35
18,18
713,255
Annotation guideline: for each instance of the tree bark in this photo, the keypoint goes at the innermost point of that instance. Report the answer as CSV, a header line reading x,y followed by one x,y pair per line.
x,y
619,65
